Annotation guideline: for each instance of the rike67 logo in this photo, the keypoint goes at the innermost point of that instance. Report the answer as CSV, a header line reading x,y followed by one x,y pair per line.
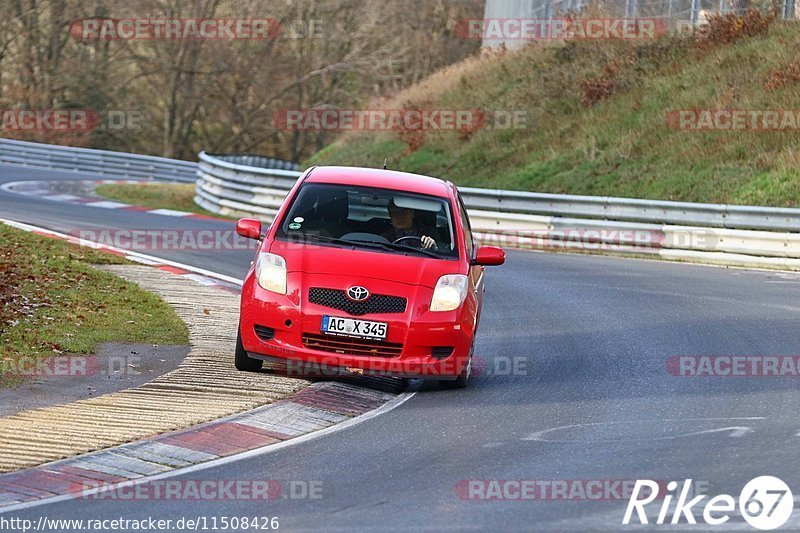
x,y
765,503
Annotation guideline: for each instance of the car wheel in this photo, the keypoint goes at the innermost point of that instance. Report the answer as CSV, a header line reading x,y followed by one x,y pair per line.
x,y
243,361
463,378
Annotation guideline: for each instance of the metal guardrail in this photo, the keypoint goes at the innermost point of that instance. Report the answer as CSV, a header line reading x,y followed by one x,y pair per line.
x,y
745,235
255,182
243,185
256,185
634,210
96,162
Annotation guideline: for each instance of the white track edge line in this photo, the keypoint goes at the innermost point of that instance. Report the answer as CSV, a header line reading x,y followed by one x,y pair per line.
x,y
264,450
159,260
385,408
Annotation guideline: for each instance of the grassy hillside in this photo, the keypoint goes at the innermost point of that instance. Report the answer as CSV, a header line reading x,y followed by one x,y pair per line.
x,y
597,119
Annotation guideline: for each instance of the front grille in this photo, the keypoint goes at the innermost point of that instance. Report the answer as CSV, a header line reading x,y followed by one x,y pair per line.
x,y
264,333
347,346
376,304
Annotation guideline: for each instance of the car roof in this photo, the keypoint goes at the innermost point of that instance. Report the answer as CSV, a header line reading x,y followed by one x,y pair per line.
x,y
385,179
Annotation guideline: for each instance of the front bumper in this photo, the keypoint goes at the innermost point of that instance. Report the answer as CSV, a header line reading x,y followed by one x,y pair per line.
x,y
417,330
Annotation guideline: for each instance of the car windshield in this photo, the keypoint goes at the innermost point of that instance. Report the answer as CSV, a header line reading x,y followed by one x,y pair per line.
x,y
371,218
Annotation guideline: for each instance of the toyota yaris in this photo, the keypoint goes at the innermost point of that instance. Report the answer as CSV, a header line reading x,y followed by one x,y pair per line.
x,y
365,271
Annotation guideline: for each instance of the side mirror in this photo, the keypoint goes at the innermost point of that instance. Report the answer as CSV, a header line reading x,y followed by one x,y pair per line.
x,y
490,256
249,228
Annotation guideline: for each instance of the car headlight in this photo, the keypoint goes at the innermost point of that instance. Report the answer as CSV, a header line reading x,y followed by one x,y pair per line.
x,y
271,272
450,292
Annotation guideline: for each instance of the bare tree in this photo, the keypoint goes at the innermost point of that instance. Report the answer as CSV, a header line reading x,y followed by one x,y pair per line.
x,y
222,94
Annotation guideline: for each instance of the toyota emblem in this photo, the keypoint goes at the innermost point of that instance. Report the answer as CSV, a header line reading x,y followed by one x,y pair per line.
x,y
357,293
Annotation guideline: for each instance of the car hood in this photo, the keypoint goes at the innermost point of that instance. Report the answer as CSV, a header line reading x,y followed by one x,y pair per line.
x,y
358,263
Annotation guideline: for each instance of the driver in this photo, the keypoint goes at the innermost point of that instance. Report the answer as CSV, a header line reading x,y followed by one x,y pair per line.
x,y
403,225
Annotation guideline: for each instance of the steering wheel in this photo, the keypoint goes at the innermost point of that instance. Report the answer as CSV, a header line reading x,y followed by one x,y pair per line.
x,y
397,241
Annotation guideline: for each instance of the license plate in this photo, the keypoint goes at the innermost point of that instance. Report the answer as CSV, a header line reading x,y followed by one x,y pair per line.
x,y
349,327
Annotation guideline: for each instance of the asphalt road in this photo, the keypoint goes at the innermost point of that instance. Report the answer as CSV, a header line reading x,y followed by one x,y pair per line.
x,y
589,337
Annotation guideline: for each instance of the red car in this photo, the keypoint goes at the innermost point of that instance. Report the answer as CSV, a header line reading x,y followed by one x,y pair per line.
x,y
365,271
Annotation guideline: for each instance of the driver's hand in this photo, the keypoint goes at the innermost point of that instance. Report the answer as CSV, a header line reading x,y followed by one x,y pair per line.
x,y
427,242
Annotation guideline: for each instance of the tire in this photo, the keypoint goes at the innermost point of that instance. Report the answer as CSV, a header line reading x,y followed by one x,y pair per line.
x,y
243,362
463,378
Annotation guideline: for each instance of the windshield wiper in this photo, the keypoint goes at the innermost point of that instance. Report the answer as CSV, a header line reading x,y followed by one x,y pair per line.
x,y
375,244
403,247
332,240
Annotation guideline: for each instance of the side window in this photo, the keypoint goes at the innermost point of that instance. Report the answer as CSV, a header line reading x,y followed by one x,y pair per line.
x,y
470,244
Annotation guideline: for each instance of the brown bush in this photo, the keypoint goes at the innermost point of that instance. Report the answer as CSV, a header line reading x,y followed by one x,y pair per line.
x,y
600,88
414,138
726,28
596,90
780,77
468,130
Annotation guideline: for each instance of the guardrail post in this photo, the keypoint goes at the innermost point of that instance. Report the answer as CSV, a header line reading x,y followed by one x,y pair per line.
x,y
631,8
788,9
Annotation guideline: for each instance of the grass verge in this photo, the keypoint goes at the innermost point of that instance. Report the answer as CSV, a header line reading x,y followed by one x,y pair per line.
x,y
55,303
177,196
